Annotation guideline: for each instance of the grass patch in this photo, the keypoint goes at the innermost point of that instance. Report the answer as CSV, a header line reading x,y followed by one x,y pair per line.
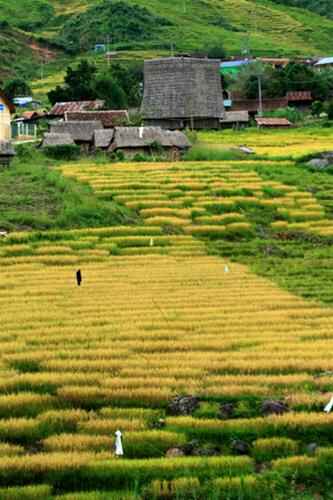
x,y
34,195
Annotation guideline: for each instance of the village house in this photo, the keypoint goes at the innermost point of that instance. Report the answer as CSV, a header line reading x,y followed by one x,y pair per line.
x,y
301,100
6,109
181,92
235,119
7,153
272,122
57,139
132,141
324,63
61,108
109,118
82,133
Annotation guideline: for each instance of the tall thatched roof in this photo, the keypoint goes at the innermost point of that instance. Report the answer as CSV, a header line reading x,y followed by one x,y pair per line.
x,y
140,137
6,149
110,118
103,138
57,140
79,131
180,87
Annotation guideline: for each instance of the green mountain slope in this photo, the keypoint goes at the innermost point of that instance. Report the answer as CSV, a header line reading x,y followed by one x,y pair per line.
x,y
322,7
18,53
270,27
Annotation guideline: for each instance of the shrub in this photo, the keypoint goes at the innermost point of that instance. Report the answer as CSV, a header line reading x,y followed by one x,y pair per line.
x,y
68,152
265,450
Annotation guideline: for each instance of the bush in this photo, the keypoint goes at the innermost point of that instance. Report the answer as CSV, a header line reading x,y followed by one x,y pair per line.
x,y
68,152
329,110
291,114
265,450
317,108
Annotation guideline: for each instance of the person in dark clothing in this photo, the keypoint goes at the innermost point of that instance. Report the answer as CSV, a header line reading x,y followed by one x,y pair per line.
x,y
79,277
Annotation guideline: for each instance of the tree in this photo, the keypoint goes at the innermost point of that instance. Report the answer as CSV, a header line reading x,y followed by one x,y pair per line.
x,y
329,110
79,84
317,108
110,91
17,87
216,52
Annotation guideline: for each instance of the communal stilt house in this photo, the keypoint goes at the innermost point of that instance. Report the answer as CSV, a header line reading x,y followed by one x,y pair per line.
x,y
182,92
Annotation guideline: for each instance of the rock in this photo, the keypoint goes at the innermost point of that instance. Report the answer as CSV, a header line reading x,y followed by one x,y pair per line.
x,y
226,410
318,163
206,452
183,405
191,447
240,447
271,407
159,424
174,452
311,448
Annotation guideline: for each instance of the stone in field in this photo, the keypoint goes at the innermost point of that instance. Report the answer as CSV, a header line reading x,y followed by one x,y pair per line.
x,y
240,447
183,405
174,452
318,163
226,410
271,407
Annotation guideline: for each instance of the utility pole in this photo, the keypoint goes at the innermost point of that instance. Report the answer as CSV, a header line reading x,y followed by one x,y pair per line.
x,y
260,110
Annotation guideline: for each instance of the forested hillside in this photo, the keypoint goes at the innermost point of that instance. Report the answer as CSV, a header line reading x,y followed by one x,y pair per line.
x,y
322,7
262,27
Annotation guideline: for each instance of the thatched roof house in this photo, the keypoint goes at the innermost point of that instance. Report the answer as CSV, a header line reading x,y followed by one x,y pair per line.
x,y
235,119
272,122
82,133
147,140
103,138
57,139
109,119
182,92
7,153
60,108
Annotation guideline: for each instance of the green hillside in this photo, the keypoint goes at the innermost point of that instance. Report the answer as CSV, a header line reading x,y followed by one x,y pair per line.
x,y
14,41
261,26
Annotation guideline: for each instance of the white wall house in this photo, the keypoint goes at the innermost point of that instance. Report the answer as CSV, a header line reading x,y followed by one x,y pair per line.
x,y
5,117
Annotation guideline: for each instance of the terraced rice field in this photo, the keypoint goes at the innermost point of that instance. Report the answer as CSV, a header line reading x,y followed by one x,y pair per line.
x,y
157,317
278,142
